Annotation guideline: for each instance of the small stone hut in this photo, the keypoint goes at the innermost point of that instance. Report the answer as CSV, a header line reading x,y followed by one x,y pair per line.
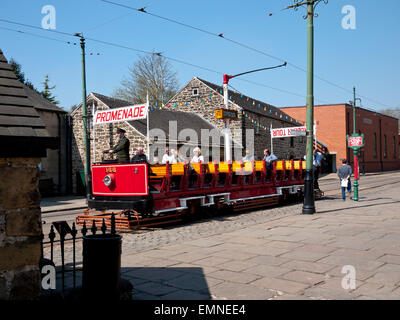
x,y
23,142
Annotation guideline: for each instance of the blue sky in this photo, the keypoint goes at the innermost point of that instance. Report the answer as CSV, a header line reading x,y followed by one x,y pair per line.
x,y
367,57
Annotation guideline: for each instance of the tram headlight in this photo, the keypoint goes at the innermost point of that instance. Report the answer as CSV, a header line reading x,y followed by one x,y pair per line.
x,y
107,180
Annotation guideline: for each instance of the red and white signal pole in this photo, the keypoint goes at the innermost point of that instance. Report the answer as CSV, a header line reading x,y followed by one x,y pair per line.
x,y
227,135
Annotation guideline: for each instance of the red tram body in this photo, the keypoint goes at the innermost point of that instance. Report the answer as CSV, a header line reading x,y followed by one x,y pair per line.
x,y
148,195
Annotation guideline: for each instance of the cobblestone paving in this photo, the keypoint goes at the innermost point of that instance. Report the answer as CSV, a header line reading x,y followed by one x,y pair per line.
x,y
275,253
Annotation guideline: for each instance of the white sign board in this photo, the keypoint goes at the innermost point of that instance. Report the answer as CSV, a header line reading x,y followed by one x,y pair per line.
x,y
129,113
288,132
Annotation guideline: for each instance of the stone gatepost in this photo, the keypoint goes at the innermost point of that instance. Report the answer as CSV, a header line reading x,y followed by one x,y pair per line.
x,y
20,228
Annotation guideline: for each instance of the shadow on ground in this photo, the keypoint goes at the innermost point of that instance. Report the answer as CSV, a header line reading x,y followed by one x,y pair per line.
x,y
166,283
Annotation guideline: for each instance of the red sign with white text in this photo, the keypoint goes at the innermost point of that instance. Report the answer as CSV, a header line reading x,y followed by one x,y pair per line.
x,y
288,132
129,113
355,142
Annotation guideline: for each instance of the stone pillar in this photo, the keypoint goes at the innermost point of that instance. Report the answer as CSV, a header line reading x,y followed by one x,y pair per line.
x,y
20,229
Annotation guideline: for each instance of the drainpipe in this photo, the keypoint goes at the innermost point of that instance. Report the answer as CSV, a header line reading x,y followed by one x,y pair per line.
x,y
59,153
380,144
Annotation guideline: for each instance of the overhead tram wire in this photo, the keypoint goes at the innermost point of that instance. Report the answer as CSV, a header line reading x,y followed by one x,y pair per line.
x,y
38,28
156,53
220,35
37,35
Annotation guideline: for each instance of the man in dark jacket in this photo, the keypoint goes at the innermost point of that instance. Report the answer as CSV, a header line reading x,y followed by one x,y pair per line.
x,y
122,147
344,174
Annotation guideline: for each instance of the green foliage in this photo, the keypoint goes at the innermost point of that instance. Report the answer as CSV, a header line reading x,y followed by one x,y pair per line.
x,y
17,68
46,93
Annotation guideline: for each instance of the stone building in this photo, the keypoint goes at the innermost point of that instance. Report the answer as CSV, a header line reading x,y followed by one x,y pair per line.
x,y
203,97
23,142
54,168
167,127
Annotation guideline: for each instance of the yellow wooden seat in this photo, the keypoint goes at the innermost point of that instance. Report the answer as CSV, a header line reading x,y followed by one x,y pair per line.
x,y
304,165
296,165
223,167
259,165
279,165
211,168
236,166
196,167
177,169
288,165
248,167
158,170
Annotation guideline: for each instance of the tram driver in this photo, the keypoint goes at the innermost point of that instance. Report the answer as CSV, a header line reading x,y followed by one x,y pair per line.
x,y
122,147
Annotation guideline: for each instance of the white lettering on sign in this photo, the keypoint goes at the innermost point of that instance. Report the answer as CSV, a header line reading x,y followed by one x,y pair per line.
x,y
129,113
288,132
355,141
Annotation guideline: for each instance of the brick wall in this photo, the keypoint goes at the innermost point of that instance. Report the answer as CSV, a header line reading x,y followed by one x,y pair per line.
x,y
185,101
20,229
334,122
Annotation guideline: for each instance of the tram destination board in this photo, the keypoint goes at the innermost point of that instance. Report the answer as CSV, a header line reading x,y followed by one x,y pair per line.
x,y
226,114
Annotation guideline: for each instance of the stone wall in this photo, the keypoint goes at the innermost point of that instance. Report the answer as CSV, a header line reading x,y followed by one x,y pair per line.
x,y
104,137
205,107
20,229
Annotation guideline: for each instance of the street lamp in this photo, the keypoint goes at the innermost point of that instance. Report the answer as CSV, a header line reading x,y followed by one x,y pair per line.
x,y
356,148
86,140
309,201
226,78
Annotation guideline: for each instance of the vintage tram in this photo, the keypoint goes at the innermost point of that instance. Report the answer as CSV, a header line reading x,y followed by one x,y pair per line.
x,y
140,194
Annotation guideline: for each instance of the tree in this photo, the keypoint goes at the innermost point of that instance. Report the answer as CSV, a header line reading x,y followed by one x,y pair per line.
x,y
46,93
17,68
151,74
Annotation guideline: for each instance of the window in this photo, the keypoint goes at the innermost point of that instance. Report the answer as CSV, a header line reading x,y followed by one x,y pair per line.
x,y
291,142
384,147
195,92
375,152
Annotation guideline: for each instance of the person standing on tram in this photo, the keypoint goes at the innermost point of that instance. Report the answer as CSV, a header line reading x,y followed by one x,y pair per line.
x,y
122,147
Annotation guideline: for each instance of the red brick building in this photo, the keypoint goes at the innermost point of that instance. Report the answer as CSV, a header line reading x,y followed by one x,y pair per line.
x,y
334,122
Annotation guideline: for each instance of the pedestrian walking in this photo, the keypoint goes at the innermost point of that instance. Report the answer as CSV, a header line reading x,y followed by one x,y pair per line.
x,y
344,173
317,158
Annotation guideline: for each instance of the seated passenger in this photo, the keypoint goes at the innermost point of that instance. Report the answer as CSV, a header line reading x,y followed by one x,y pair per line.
x,y
139,157
248,157
167,157
175,158
197,156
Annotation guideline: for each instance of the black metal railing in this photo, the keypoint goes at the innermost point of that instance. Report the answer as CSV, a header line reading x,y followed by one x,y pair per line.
x,y
63,229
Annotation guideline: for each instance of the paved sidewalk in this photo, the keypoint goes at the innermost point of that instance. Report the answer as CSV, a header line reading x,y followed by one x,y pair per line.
x,y
55,204
291,257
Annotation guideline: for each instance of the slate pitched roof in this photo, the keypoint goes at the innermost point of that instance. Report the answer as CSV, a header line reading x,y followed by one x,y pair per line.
x,y
160,119
251,104
19,121
41,103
